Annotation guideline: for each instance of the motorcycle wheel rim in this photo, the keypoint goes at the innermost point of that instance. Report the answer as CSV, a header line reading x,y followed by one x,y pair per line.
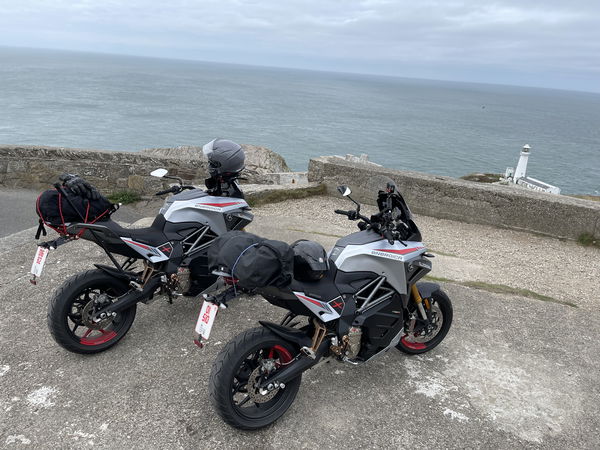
x,y
79,328
240,397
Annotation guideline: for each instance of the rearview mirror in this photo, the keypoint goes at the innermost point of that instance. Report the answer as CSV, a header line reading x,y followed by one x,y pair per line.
x,y
159,173
344,190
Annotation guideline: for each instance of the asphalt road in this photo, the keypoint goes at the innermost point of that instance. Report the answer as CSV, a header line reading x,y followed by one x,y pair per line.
x,y
512,373
18,211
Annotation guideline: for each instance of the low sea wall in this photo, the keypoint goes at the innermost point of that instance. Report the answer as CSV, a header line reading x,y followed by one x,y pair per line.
x,y
35,167
450,198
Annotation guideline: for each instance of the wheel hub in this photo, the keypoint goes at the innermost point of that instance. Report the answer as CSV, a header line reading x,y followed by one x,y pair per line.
x,y
87,313
257,394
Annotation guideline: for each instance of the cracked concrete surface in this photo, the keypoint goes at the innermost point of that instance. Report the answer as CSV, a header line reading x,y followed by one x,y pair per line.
x,y
512,373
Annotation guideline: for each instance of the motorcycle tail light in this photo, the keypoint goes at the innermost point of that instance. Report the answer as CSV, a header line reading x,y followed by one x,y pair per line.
x,y
230,280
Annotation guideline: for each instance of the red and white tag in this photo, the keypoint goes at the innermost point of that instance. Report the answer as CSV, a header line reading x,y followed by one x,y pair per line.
x,y
206,319
38,261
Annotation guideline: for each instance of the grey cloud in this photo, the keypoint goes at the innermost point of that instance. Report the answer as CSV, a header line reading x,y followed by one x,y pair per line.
x,y
491,41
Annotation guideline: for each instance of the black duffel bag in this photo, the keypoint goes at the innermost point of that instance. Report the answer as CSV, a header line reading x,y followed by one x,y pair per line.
x,y
58,207
254,261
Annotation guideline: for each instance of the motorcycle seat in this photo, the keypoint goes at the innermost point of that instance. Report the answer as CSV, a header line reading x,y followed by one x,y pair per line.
x,y
152,235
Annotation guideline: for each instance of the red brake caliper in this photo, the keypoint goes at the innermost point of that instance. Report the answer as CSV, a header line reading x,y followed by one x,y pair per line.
x,y
104,337
284,356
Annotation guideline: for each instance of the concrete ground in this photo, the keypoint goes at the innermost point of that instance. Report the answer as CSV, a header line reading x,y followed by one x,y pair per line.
x,y
513,372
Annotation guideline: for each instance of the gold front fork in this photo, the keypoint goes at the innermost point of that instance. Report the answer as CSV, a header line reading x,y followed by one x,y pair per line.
x,y
419,301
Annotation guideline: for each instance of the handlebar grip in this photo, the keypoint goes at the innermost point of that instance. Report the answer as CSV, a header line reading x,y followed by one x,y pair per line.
x,y
342,212
166,191
389,236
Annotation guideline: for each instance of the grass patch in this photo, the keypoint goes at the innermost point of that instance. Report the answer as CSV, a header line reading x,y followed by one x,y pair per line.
x,y
124,197
440,279
316,232
588,240
280,195
436,252
503,289
482,177
594,198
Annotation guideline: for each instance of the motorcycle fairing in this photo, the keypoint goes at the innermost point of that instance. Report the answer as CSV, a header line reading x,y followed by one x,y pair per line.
x,y
380,257
216,212
321,309
153,254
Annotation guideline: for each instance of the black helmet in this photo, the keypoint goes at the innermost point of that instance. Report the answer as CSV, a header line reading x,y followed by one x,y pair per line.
x,y
224,157
310,260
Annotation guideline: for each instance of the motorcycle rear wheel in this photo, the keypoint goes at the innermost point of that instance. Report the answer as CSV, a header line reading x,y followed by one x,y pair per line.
x,y
72,304
237,368
414,345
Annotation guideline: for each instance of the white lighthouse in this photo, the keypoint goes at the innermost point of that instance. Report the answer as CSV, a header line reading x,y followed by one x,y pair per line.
x,y
519,176
521,170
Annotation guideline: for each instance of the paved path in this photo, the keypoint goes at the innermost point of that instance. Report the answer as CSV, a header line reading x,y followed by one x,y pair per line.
x,y
512,373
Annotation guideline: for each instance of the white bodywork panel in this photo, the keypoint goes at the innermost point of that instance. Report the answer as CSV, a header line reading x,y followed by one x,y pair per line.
x,y
382,258
207,203
147,251
320,308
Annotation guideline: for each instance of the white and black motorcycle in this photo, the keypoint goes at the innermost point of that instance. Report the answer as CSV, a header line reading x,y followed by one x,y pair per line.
x,y
364,300
92,310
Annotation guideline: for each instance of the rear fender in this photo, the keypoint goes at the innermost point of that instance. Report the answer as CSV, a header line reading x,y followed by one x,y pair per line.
x,y
291,335
120,274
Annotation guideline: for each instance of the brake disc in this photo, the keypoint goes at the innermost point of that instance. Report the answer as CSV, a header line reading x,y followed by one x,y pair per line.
x,y
253,390
86,317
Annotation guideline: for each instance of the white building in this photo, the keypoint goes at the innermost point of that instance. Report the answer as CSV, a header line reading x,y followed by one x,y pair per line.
x,y
519,176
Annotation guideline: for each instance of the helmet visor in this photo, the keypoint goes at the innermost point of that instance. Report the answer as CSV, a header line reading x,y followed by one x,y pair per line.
x,y
207,149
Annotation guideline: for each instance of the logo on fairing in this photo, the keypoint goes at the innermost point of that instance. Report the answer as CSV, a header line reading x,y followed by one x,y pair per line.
x,y
393,253
166,248
337,304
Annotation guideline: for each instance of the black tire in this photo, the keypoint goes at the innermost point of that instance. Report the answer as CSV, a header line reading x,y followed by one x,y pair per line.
x,y
442,301
67,303
226,381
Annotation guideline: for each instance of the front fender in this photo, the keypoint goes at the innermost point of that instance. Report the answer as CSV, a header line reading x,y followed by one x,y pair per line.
x,y
426,289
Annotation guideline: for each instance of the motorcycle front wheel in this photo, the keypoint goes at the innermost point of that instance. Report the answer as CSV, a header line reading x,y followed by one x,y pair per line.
x,y
240,367
440,309
73,304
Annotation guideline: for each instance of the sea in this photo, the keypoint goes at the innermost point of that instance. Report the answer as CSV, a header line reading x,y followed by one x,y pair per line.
x,y
112,102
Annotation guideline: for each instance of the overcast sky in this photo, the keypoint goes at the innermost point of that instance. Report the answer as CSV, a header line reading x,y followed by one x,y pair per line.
x,y
537,43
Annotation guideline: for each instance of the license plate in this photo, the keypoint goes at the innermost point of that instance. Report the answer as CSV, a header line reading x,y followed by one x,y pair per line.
x,y
206,319
38,261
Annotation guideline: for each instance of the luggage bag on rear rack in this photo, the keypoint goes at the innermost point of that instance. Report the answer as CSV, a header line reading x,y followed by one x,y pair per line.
x,y
57,208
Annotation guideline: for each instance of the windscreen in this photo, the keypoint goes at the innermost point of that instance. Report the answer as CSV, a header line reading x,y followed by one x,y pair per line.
x,y
390,198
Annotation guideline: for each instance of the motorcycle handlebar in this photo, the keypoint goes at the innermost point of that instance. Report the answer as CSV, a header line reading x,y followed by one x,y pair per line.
x,y
167,191
342,212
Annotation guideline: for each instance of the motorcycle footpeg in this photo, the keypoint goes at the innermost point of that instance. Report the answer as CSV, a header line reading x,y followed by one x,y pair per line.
x,y
308,352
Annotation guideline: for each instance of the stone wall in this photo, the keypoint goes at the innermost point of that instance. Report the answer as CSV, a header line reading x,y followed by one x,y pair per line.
x,y
36,167
454,199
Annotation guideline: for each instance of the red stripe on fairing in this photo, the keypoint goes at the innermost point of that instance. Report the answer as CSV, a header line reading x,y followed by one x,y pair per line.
x,y
319,304
404,251
221,205
145,247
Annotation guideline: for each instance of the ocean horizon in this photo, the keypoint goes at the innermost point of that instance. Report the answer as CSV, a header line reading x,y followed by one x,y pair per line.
x,y
114,102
